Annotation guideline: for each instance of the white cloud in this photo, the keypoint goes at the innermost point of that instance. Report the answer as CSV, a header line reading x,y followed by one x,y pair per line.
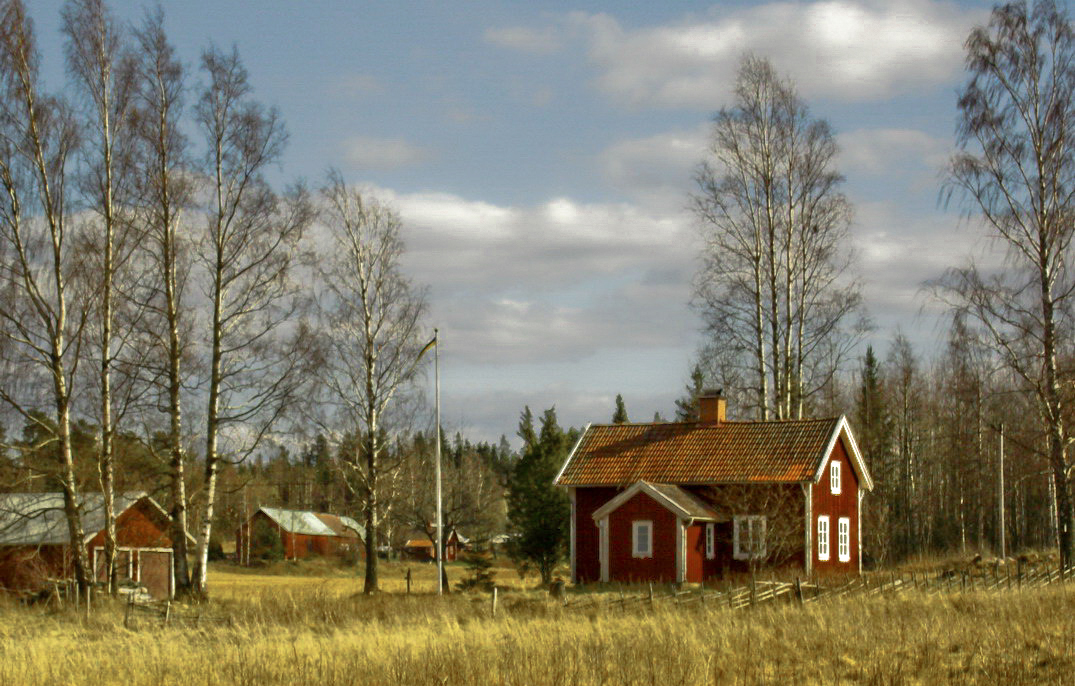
x,y
383,153
843,49
561,280
524,39
657,170
877,152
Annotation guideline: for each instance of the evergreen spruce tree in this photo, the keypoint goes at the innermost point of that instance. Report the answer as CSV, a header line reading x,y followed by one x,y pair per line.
x,y
620,415
540,513
687,406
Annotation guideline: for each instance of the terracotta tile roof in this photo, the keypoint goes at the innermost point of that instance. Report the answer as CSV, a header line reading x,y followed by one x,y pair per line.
x,y
696,453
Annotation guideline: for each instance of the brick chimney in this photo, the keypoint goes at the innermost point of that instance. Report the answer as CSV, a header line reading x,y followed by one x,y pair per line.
x,y
712,407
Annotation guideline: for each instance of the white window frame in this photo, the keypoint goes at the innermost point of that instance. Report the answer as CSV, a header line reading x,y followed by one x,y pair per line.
x,y
710,541
754,548
637,527
834,477
823,538
843,539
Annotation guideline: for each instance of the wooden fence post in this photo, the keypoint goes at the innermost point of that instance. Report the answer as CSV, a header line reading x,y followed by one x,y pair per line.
x,y
651,594
799,590
167,612
494,600
408,580
753,589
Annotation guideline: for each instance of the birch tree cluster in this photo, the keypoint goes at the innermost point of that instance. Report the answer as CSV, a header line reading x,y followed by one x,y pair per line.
x,y
159,316
779,304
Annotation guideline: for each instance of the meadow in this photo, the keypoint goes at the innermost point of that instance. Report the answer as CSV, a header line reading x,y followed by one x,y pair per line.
x,y
265,628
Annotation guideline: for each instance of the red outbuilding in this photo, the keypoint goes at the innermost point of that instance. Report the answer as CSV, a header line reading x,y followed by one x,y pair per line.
x,y
35,545
301,534
419,546
691,501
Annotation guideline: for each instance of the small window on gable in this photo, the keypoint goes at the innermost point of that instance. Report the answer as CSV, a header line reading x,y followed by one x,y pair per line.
x,y
642,539
710,541
749,537
843,539
834,477
823,538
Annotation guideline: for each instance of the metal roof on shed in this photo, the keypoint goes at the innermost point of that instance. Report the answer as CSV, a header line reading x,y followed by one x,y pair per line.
x,y
298,522
39,518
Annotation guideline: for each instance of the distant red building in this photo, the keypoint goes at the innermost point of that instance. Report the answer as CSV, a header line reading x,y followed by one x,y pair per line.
x,y
301,533
35,545
690,501
420,547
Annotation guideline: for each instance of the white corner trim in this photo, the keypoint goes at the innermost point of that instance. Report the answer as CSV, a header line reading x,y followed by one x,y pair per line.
x,y
571,455
573,552
602,548
808,498
858,525
681,550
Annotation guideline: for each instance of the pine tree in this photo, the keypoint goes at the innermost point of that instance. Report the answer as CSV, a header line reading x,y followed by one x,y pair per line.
x,y
620,415
687,406
540,513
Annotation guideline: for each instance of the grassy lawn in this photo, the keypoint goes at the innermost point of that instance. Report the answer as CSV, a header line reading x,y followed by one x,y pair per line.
x,y
313,629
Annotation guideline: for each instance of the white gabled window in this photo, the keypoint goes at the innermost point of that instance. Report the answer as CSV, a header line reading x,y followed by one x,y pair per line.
x,y
823,538
749,537
843,539
642,538
834,477
710,541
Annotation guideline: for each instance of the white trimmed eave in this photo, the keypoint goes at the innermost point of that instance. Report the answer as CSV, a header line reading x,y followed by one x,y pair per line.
x,y
570,455
844,428
647,488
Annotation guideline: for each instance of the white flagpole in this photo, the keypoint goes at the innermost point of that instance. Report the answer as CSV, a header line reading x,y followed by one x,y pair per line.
x,y
436,401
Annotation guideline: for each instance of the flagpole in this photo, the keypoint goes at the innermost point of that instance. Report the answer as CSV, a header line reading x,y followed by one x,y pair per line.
x,y
436,402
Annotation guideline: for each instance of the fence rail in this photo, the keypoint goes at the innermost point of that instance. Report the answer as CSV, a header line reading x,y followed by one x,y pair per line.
x,y
758,591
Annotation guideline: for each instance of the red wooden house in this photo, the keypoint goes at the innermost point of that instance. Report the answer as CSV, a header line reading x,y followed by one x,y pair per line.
x,y
690,501
302,534
35,545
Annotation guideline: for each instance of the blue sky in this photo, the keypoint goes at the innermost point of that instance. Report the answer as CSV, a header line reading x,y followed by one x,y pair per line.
x,y
540,155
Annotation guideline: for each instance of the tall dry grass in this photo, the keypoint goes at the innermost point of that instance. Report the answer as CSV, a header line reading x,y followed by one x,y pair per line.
x,y
317,636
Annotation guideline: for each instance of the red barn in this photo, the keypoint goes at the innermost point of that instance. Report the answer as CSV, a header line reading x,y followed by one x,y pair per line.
x,y
690,501
35,545
419,546
301,533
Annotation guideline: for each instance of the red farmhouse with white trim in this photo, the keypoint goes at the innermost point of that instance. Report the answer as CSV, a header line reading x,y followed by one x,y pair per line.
x,y
691,501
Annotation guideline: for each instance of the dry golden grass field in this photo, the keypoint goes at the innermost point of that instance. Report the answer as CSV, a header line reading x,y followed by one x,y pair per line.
x,y
314,630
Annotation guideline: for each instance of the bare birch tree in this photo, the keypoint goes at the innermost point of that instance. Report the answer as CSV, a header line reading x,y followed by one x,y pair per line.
x,y
371,317
101,67
251,241
774,289
165,193
1016,169
41,315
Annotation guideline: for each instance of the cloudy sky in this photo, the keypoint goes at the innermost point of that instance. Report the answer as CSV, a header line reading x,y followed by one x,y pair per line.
x,y
541,154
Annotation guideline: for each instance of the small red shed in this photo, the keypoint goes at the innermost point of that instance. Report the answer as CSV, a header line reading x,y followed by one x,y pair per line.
x,y
35,543
419,546
690,501
302,534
